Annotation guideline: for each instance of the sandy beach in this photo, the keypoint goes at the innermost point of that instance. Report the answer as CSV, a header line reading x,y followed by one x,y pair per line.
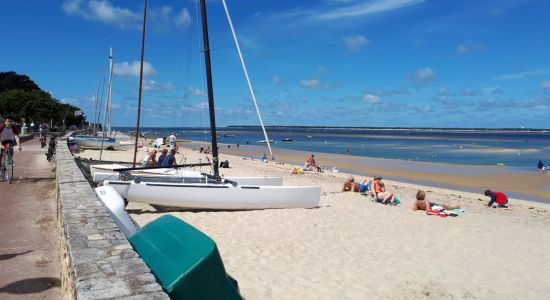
x,y
352,248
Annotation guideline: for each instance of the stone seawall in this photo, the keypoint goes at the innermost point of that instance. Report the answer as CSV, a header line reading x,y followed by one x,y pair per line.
x,y
98,262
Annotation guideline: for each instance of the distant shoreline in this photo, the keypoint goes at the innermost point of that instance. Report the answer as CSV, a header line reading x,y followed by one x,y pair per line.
x,y
419,129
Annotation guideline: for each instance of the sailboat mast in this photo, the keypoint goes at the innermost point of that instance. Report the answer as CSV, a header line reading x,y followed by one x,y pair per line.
x,y
210,89
140,81
110,94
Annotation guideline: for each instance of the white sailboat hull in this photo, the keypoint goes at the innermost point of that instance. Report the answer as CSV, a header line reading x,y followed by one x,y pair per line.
x,y
218,196
94,143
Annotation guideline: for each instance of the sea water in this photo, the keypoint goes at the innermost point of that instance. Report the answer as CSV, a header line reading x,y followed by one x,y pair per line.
x,y
518,150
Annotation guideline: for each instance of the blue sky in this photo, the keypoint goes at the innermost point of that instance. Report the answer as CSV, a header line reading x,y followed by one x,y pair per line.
x,y
326,62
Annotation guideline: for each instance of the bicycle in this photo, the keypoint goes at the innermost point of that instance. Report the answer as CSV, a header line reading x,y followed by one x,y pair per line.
x,y
42,139
51,149
6,170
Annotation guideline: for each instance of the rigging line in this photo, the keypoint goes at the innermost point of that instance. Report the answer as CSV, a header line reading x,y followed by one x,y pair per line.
x,y
247,77
104,121
96,120
100,102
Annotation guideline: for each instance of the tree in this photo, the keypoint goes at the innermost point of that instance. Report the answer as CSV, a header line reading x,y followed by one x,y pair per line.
x,y
21,97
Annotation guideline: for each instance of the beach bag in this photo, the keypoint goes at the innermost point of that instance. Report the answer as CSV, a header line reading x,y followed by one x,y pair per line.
x,y
224,164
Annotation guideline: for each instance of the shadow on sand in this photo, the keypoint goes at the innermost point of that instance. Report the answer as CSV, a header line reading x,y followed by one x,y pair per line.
x,y
30,285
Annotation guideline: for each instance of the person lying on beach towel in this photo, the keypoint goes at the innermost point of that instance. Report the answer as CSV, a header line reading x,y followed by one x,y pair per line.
x,y
499,198
422,203
351,186
380,193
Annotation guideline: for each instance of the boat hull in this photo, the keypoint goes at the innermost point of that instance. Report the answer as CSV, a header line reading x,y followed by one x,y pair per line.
x,y
95,143
218,196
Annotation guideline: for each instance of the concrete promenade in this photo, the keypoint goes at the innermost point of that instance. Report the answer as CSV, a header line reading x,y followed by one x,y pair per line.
x,y
29,239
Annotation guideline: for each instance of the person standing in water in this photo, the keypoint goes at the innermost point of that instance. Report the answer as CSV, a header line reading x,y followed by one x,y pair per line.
x,y
540,166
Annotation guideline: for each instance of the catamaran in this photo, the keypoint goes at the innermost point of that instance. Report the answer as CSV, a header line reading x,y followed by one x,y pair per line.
x,y
213,191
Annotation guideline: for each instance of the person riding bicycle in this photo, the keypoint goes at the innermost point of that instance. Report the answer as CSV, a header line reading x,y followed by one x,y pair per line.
x,y
43,129
9,135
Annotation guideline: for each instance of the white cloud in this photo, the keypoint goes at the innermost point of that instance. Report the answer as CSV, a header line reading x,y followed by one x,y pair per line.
x,y
469,47
153,86
102,11
355,42
422,76
277,80
523,75
195,92
372,99
183,18
469,92
362,9
545,85
314,84
443,91
127,69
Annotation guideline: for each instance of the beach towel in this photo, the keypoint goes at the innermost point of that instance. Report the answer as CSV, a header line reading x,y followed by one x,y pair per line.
x,y
396,201
434,212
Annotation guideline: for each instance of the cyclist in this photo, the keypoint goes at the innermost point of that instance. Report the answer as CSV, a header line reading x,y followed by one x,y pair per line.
x,y
9,135
43,129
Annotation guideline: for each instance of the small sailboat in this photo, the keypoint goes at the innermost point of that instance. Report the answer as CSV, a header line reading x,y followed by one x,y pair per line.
x,y
105,141
212,191
265,141
287,140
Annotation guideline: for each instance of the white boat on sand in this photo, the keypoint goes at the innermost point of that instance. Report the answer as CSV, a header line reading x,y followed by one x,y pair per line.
x,y
224,195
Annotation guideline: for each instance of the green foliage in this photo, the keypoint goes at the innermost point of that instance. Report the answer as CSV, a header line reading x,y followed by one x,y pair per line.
x,y
21,97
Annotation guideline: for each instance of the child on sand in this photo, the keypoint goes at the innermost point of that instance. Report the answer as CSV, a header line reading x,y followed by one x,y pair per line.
x,y
422,204
500,198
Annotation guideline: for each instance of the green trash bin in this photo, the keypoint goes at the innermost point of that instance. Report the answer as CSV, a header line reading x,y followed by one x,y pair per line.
x,y
185,261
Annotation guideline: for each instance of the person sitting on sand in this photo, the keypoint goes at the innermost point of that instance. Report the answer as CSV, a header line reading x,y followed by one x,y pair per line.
x,y
147,162
170,159
312,164
264,158
380,193
500,198
422,203
162,156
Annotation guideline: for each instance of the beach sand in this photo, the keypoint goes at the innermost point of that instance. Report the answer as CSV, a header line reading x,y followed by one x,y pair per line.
x,y
352,248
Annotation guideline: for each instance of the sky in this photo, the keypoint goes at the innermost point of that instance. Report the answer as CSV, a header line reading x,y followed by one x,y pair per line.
x,y
382,63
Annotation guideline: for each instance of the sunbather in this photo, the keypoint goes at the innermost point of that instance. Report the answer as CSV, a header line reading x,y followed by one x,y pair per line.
x,y
422,203
380,193
351,186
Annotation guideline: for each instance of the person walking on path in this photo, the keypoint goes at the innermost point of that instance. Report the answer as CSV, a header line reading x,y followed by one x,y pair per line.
x,y
540,166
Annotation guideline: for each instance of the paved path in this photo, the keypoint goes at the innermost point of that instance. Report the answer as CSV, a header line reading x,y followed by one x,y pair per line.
x,y
29,239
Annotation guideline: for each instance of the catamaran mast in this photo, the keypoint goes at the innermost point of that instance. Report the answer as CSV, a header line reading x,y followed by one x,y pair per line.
x,y
110,94
210,90
140,80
